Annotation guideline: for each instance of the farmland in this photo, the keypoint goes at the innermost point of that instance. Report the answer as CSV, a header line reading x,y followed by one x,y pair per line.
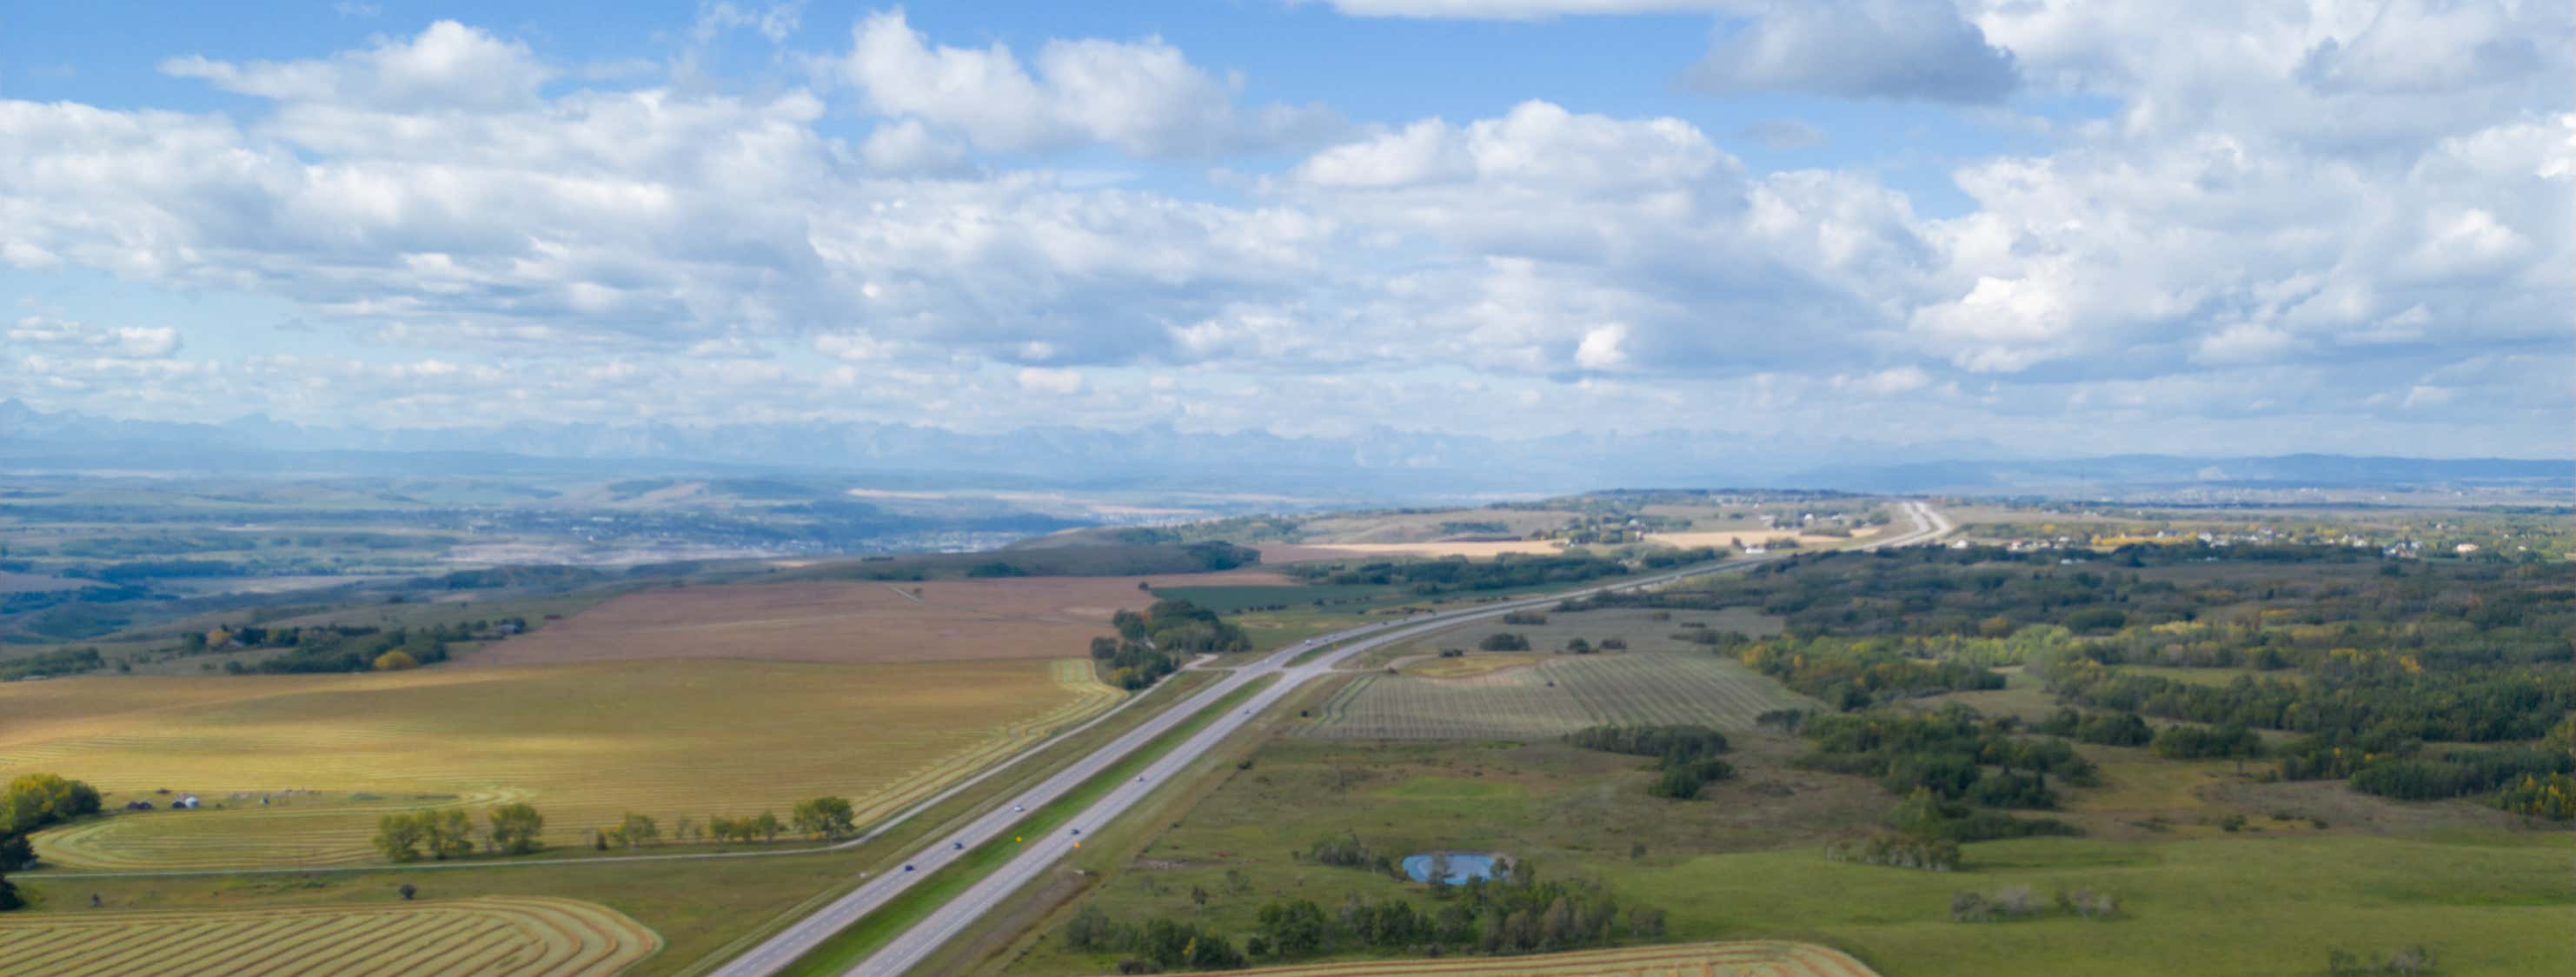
x,y
1747,958
1552,698
851,620
512,936
1661,678
584,743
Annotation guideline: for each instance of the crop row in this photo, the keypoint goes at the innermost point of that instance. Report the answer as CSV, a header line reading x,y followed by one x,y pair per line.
x,y
909,762
518,936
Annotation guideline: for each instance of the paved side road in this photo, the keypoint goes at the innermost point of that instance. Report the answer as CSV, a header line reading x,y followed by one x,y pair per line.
x,y
909,949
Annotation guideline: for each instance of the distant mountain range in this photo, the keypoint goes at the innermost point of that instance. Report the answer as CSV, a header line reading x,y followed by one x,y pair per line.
x,y
1380,464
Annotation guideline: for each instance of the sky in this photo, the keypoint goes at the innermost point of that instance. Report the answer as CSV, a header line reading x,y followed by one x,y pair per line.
x,y
2065,226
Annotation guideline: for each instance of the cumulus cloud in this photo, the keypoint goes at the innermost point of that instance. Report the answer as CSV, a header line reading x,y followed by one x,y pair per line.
x,y
449,65
1892,49
1141,96
2286,224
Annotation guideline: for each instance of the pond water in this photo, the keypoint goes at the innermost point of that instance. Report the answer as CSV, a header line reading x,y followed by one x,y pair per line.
x,y
1461,868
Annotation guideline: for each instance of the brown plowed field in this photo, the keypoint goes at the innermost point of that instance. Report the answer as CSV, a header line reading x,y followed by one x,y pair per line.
x,y
850,620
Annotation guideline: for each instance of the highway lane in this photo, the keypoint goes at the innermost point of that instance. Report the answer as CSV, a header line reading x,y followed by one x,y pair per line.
x,y
943,924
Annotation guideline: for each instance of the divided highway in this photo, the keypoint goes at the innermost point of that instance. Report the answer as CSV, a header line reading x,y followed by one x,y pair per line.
x,y
912,946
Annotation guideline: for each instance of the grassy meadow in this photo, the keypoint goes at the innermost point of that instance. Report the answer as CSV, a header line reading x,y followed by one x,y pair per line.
x,y
584,743
1746,863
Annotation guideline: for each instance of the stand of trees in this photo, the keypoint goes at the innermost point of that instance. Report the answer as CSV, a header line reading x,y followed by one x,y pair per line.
x,y
2107,729
1953,755
1149,644
1519,914
1859,674
1509,571
33,802
1687,756
342,648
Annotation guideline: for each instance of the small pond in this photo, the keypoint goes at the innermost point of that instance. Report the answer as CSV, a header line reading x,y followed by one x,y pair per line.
x,y
1461,868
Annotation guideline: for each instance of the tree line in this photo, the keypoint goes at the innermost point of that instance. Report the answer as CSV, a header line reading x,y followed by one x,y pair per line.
x,y
31,803
1686,756
1515,914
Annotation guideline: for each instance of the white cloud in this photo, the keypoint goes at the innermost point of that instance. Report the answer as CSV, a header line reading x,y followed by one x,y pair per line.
x,y
1885,383
2257,229
1039,379
1893,49
449,65
1143,96
61,336
1600,347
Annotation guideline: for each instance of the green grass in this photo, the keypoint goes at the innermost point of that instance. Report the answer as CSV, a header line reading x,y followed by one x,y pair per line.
x,y
1746,863
2218,906
855,943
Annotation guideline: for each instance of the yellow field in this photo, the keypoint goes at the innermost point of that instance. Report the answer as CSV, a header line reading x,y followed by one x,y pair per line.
x,y
584,743
1751,958
494,935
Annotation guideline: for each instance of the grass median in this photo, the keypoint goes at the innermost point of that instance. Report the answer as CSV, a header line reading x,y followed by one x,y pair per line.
x,y
856,942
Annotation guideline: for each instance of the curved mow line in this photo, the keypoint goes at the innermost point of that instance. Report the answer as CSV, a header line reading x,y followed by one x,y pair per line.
x,y
569,937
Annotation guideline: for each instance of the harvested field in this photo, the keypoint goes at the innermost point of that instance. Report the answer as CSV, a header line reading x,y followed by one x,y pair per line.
x,y
1745,958
1552,698
850,620
584,743
1475,550
493,935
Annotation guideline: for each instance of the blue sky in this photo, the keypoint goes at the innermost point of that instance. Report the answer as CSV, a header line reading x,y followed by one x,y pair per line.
x,y
2075,227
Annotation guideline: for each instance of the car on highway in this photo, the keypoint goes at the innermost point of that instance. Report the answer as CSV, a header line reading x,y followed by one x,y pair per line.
x,y
907,868
1077,831
957,846
1018,807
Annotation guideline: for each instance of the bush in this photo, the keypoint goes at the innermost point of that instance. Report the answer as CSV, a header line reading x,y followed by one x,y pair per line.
x,y
2194,743
1504,641
1898,851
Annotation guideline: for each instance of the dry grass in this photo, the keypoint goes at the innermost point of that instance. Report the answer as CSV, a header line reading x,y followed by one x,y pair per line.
x,y
1551,698
1469,666
849,621
510,936
584,743
1746,958
1474,550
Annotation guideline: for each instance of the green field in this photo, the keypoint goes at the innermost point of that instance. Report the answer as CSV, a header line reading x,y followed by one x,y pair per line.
x,y
1746,863
1553,697
502,936
584,743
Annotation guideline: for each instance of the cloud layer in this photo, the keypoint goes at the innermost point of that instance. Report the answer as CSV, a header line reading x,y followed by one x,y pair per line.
x,y
2322,230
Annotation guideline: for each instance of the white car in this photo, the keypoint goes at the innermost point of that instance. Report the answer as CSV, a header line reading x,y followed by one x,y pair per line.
x,y
1017,807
